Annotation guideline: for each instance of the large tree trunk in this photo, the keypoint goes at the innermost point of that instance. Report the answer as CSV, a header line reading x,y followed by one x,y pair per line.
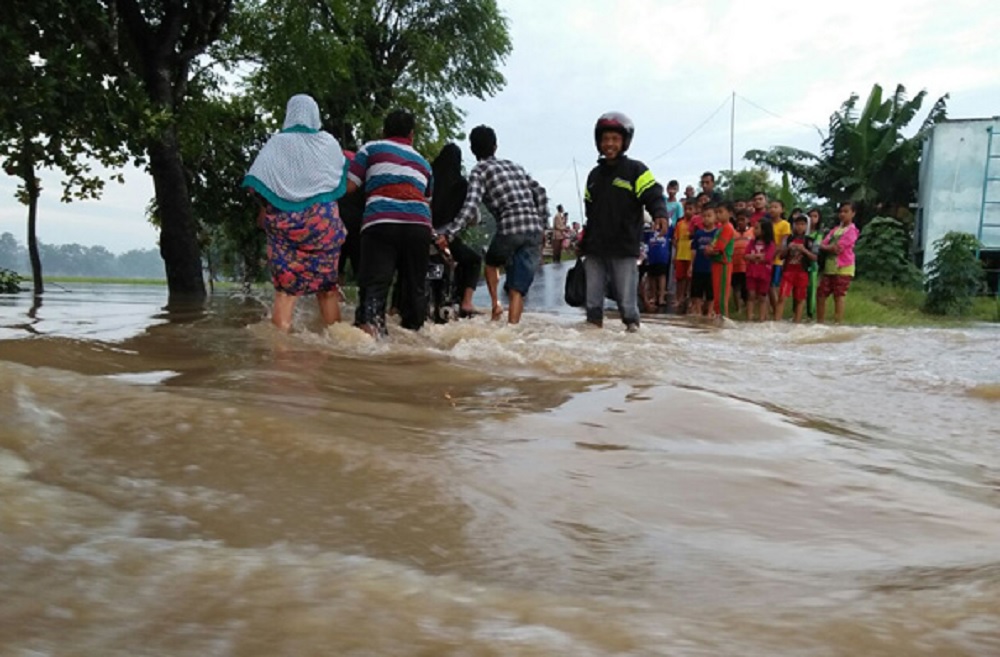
x,y
36,261
178,231
33,191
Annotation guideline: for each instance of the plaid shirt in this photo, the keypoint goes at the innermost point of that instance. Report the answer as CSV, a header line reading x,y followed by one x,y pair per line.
x,y
516,200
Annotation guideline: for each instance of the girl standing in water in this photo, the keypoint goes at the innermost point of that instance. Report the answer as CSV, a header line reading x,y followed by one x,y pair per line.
x,y
838,271
759,256
298,175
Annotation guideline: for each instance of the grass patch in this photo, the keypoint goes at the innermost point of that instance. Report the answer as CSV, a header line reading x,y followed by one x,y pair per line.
x,y
105,280
873,304
882,305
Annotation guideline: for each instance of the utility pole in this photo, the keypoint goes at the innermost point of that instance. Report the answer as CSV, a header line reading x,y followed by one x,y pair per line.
x,y
579,197
732,136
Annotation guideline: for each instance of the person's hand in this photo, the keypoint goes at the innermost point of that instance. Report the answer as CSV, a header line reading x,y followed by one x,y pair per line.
x,y
661,225
442,242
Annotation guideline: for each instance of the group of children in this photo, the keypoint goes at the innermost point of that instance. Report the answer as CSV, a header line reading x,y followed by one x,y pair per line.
x,y
745,256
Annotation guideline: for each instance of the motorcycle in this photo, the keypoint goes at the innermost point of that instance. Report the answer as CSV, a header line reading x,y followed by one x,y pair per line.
x,y
442,297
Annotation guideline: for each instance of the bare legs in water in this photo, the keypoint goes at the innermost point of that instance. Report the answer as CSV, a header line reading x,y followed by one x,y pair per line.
x,y
284,307
516,298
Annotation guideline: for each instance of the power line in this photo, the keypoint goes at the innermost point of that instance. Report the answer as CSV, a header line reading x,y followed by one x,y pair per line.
x,y
563,174
783,118
701,125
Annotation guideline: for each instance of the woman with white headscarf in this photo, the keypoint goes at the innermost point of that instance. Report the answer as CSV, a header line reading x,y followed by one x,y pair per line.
x,y
299,174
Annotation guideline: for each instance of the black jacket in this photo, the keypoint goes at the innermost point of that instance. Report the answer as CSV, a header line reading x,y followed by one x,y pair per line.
x,y
617,191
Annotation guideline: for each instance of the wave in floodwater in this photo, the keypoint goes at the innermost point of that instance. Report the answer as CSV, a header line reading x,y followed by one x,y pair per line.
x,y
197,484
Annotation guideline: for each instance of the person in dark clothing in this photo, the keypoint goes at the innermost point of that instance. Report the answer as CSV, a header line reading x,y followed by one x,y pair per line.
x,y
396,226
618,189
450,188
352,207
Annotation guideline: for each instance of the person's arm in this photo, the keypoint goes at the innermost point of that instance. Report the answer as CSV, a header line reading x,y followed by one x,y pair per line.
x,y
650,194
828,244
723,238
357,170
808,251
541,199
469,214
848,239
582,243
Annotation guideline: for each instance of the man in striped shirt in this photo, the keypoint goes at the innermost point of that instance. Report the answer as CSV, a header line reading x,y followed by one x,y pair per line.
x,y
396,226
521,209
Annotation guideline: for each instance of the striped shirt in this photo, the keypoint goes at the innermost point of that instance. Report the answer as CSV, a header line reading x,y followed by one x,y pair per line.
x,y
511,195
397,183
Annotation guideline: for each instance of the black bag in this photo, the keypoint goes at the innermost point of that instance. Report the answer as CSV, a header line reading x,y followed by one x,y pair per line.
x,y
576,285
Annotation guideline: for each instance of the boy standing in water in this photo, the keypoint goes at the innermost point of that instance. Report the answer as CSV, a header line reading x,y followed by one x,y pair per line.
x,y
657,267
675,209
702,293
618,189
798,255
721,252
744,235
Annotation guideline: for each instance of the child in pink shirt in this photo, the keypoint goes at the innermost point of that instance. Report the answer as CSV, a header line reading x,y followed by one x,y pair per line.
x,y
759,257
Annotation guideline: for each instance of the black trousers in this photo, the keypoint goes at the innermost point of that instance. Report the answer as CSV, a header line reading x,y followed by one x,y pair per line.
x,y
468,264
388,250
352,207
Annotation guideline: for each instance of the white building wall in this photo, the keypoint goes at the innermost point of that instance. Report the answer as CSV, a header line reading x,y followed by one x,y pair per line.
x,y
951,182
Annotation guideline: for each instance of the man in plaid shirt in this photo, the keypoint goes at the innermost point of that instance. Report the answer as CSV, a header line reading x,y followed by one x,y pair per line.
x,y
521,209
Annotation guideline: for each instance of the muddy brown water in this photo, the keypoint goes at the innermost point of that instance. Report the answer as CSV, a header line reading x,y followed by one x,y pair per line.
x,y
189,482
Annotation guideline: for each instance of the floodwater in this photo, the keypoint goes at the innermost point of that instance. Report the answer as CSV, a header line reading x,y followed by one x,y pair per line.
x,y
190,482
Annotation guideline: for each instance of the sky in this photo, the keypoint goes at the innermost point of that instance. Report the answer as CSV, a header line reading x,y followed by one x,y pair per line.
x,y
673,67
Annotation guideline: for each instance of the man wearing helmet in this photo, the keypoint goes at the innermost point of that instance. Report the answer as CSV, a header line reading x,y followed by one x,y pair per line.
x,y
618,189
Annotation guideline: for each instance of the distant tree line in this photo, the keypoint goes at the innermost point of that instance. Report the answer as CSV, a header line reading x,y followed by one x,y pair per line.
x,y
77,260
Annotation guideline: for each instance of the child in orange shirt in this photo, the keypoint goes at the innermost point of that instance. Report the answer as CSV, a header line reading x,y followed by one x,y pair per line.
x,y
721,251
744,235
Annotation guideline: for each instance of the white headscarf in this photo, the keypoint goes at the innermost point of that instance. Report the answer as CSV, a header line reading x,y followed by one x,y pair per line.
x,y
301,165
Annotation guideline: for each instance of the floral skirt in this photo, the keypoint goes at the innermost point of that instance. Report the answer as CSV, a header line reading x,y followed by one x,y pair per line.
x,y
303,248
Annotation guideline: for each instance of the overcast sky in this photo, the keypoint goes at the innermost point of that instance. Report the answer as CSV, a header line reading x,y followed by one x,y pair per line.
x,y
668,65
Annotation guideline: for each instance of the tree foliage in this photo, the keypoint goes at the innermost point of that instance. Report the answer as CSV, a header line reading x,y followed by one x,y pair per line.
x,y
154,46
883,254
142,78
361,59
10,281
221,137
865,156
56,112
955,275
741,185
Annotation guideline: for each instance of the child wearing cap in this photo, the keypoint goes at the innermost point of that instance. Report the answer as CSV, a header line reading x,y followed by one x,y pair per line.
x,y
798,254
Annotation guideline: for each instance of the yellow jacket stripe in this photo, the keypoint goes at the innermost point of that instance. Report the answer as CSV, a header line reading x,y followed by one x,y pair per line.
x,y
644,182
